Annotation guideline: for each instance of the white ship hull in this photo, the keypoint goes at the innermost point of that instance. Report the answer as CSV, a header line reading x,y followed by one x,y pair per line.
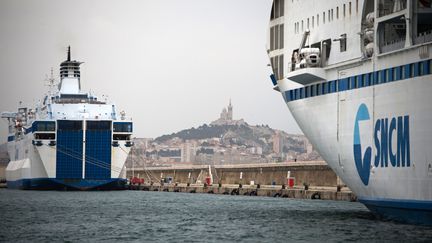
x,y
329,122
357,77
35,167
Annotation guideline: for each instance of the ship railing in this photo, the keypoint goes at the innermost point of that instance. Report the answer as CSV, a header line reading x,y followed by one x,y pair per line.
x,y
393,45
423,37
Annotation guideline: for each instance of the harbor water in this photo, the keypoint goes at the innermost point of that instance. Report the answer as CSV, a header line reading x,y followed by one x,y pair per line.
x,y
52,216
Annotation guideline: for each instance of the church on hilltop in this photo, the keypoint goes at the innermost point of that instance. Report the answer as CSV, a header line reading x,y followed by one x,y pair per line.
x,y
226,117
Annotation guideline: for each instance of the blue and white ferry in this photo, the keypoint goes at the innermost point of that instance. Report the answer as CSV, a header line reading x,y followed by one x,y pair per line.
x,y
71,140
357,77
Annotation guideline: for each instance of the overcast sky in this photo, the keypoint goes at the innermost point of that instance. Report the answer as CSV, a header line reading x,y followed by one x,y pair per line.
x,y
171,65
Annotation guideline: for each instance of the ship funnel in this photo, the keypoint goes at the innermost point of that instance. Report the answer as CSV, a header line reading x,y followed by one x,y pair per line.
x,y
70,75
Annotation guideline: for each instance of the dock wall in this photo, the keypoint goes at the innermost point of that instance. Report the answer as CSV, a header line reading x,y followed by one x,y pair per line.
x,y
315,173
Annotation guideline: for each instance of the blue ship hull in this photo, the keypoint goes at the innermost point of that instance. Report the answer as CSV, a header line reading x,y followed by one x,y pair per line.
x,y
68,184
408,211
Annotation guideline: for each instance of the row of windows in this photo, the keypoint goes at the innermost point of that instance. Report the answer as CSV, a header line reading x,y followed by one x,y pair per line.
x,y
310,22
43,126
277,9
277,37
277,63
122,127
362,80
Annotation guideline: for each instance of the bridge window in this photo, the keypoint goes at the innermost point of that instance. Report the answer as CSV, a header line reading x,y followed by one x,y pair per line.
x,y
44,126
122,127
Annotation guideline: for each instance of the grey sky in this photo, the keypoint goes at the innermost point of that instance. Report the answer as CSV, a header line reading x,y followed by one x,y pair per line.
x,y
170,65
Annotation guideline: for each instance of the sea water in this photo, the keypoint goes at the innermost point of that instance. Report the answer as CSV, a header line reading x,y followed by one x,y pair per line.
x,y
119,216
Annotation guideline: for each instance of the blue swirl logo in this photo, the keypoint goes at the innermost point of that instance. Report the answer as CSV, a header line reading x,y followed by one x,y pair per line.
x,y
362,163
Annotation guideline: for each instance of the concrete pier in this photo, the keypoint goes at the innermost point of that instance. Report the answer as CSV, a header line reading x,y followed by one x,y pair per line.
x,y
323,193
312,173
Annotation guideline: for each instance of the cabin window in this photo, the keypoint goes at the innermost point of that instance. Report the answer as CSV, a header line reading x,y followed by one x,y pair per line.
x,y
317,19
323,17
281,66
406,72
318,89
390,74
272,38
424,68
44,126
384,76
281,36
313,21
352,83
342,42
122,127
277,9
307,91
356,6
307,23
349,8
328,16
331,14
302,26
276,37
44,136
365,80
360,81
344,10
337,12
416,69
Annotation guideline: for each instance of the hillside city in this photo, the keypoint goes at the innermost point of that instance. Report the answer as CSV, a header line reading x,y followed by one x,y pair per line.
x,y
223,141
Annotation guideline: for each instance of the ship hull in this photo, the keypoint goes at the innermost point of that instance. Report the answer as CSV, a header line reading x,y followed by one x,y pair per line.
x,y
74,185
68,164
378,140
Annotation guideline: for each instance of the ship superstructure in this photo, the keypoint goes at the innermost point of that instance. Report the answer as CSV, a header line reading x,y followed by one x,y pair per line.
x,y
70,140
356,75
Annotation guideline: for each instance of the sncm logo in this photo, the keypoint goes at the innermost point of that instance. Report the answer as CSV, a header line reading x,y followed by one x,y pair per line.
x,y
384,131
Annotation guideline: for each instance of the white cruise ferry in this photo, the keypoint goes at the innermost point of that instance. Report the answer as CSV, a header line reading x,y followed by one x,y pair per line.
x,y
356,75
71,140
